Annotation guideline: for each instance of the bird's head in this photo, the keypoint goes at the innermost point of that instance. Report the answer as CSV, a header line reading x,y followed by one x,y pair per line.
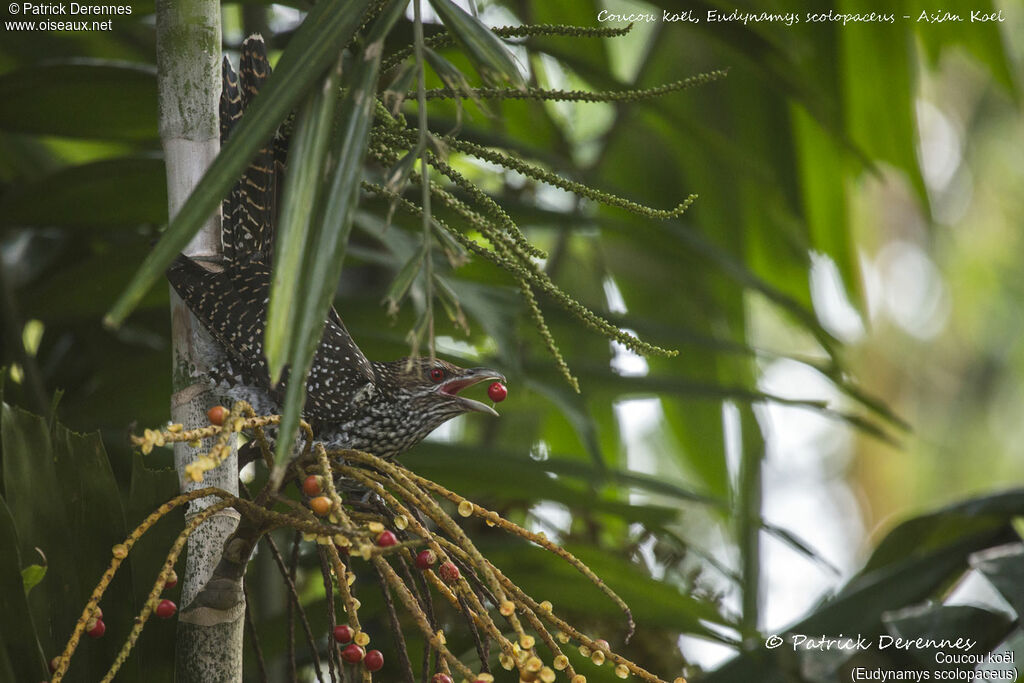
x,y
432,386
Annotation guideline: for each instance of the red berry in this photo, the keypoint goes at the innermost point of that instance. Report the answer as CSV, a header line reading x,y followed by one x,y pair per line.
x,y
98,630
497,392
311,486
449,572
217,414
386,539
172,579
426,559
441,678
353,653
166,609
343,633
374,660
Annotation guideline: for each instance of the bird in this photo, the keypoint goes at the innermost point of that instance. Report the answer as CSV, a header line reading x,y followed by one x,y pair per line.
x,y
380,407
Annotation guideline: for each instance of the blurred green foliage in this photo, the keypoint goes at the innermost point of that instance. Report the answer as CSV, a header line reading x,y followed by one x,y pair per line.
x,y
795,153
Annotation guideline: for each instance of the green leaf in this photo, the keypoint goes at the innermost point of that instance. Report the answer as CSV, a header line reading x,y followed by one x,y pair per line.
x,y
460,468
321,266
879,86
452,78
908,566
824,198
492,59
397,176
32,575
328,27
19,645
653,603
110,100
949,622
1004,568
111,193
301,192
575,410
403,281
64,500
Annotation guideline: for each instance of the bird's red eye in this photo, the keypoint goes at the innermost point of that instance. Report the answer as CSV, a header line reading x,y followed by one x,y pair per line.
x,y
437,374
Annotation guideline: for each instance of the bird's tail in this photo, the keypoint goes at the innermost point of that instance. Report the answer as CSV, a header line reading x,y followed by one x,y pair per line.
x,y
250,210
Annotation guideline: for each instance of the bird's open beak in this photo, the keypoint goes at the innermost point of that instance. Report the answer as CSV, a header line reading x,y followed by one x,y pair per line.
x,y
468,378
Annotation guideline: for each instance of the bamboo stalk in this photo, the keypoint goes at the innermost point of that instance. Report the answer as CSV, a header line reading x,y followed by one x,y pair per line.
x,y
209,641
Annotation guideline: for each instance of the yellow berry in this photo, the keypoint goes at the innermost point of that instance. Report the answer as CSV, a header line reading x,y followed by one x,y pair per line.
x,y
534,664
401,522
679,679
527,641
507,608
546,606
321,505
579,678
506,661
362,638
622,671
375,527
584,650
465,508
120,551
597,657
484,678
547,675
561,661
562,637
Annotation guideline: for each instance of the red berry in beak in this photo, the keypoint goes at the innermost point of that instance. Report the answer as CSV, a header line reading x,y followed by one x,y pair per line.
x,y
497,392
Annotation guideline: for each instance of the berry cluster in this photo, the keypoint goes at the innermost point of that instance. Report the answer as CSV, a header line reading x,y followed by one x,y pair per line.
x,y
408,519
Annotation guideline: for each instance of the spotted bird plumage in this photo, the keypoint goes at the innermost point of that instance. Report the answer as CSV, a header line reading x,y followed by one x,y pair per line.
x,y
351,402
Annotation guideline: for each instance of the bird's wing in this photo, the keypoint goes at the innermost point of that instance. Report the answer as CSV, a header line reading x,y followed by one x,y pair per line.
x,y
231,304
250,208
341,376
